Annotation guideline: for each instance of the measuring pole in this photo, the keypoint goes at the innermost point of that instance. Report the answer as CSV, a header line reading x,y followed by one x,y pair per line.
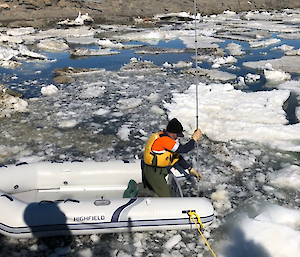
x,y
196,82
196,61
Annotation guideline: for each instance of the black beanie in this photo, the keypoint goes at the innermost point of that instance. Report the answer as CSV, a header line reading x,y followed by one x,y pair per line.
x,y
175,126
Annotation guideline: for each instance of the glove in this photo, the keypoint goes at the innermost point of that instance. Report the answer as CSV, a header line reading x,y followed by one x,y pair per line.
x,y
197,135
194,173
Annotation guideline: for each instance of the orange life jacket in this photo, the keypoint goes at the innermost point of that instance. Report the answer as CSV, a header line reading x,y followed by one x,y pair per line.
x,y
164,159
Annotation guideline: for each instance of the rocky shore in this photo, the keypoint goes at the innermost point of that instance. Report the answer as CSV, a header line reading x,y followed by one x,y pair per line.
x,y
43,13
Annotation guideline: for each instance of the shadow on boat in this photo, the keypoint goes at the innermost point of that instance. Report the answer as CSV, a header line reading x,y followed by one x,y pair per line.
x,y
36,214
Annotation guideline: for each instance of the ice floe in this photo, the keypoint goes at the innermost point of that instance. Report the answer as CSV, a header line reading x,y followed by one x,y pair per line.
x,y
276,75
53,45
264,43
235,49
92,52
263,237
221,120
10,104
286,63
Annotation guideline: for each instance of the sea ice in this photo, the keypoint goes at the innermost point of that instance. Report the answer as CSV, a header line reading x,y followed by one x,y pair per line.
x,y
20,31
286,63
218,62
235,49
263,238
288,177
220,120
221,200
276,75
124,132
172,242
106,43
53,45
70,33
67,123
128,103
49,90
264,43
92,52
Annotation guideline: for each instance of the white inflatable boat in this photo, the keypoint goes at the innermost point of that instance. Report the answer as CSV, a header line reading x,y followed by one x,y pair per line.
x,y
79,198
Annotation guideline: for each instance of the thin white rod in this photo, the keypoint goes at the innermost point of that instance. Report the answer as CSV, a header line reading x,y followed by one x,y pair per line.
x,y
196,82
196,62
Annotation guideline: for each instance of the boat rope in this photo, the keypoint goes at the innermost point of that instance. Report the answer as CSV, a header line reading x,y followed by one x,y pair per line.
x,y
200,227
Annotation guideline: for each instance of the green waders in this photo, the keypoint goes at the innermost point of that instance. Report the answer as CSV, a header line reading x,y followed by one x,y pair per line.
x,y
155,176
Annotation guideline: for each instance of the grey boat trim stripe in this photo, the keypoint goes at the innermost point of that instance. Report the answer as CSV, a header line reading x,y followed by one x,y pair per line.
x,y
101,225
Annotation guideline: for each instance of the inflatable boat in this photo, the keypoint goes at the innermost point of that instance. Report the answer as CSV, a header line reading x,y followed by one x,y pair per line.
x,y
80,198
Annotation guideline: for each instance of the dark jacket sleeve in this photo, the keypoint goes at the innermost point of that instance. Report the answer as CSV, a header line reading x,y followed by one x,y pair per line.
x,y
186,147
183,163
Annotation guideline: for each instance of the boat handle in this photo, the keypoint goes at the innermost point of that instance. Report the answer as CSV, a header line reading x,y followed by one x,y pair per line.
x,y
21,163
187,211
8,197
71,200
45,201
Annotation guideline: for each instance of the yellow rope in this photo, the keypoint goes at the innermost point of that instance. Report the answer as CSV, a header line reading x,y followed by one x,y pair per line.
x,y
200,226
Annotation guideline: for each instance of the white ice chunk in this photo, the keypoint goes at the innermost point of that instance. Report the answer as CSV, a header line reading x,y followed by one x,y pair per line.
x,y
276,75
53,45
221,200
250,78
26,52
288,177
178,65
70,32
124,132
129,103
11,39
109,44
102,111
282,216
172,242
49,90
20,31
81,40
10,104
156,109
67,123
92,90
92,52
7,53
218,62
264,43
235,49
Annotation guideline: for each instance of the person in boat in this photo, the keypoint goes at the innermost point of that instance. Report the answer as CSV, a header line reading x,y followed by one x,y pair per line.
x,y
162,151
